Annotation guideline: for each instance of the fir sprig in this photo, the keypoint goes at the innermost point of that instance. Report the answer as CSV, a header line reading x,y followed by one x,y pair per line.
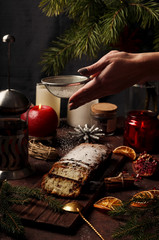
x,y
52,7
20,195
141,223
95,25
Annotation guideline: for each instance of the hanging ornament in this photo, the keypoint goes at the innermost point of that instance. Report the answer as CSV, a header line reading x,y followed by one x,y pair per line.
x,y
88,134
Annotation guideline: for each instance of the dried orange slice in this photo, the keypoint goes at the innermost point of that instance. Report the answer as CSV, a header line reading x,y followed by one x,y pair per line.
x,y
108,203
147,195
125,151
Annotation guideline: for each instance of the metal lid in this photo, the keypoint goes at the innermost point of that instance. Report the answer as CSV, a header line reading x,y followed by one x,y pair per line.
x,y
13,102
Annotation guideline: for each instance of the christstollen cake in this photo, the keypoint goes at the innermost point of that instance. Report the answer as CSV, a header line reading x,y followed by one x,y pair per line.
x,y
69,174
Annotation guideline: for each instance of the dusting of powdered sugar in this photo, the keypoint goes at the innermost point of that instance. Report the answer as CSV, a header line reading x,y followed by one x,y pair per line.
x,y
90,154
64,92
66,142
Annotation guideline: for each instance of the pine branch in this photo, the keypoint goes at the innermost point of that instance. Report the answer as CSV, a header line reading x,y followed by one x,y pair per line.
x,y
156,39
11,224
137,228
128,13
146,12
76,42
20,195
96,25
113,23
56,57
52,7
25,194
140,223
82,10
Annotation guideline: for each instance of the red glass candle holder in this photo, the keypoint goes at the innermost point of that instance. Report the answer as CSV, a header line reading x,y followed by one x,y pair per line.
x,y
141,130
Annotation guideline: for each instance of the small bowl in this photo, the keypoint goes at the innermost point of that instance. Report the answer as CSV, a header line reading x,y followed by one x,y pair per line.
x,y
64,86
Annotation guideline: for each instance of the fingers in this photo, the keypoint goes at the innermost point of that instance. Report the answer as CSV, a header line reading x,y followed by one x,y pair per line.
x,y
86,94
92,69
95,68
98,66
94,75
99,73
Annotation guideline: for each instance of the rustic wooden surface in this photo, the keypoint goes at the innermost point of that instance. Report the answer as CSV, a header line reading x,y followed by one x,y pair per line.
x,y
41,224
38,213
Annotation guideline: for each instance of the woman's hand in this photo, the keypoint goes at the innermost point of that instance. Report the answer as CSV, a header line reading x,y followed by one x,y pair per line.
x,y
113,73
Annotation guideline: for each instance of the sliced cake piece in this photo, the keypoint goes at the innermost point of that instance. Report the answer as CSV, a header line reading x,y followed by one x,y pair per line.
x,y
61,186
70,169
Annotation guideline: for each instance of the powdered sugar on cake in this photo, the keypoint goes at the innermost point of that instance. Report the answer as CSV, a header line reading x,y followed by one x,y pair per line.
x,y
71,172
89,154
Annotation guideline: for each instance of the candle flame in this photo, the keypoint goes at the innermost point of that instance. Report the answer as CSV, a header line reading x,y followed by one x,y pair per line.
x,y
142,124
39,106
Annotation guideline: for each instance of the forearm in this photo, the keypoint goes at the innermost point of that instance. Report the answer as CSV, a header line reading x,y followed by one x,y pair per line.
x,y
148,64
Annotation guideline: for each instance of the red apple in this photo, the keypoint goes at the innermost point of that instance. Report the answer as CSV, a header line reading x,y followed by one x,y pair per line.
x,y
42,121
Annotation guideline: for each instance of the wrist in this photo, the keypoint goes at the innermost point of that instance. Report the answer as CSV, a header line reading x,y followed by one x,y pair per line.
x,y
148,64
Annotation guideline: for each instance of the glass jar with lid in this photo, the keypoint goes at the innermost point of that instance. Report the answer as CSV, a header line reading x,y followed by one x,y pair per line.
x,y
141,130
104,116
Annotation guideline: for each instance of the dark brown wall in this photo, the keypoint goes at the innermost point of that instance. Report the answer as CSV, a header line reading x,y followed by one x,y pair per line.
x,y
34,32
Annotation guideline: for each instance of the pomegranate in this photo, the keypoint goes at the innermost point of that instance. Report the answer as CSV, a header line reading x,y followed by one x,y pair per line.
x,y
145,165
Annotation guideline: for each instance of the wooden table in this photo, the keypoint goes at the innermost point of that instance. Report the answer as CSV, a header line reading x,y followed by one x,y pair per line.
x,y
100,220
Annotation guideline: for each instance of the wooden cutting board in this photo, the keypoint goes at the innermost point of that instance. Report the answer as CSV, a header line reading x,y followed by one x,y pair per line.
x,y
39,214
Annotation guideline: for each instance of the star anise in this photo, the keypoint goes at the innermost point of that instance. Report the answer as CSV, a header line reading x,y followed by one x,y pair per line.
x,y
87,134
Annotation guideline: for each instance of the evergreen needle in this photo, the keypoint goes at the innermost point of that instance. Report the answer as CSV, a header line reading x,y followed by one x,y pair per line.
x,y
20,195
141,223
96,25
